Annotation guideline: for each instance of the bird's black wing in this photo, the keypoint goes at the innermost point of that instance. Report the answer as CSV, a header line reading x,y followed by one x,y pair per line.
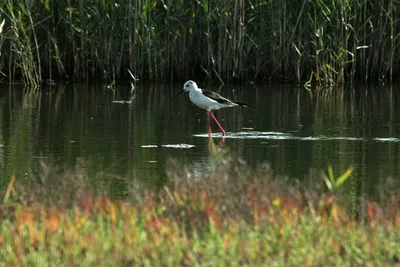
x,y
221,99
215,96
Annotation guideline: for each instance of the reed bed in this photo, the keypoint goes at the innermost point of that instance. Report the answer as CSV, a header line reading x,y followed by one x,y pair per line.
x,y
229,216
323,42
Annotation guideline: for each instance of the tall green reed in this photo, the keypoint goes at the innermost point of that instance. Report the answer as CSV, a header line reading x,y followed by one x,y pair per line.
x,y
330,41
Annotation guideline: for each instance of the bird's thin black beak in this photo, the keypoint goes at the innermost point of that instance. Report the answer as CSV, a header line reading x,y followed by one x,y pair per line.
x,y
178,94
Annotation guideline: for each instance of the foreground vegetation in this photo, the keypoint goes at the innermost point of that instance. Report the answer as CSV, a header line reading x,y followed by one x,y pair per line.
x,y
328,42
230,216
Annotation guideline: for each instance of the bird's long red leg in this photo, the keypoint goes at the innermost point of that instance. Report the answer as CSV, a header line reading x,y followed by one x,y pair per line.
x,y
209,132
209,124
219,125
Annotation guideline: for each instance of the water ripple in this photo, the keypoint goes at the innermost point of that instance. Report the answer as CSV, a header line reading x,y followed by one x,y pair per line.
x,y
178,146
278,136
389,139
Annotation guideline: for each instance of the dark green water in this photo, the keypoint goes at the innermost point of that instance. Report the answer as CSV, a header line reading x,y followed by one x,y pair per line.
x,y
132,140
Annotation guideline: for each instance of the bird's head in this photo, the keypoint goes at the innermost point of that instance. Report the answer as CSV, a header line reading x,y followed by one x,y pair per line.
x,y
189,86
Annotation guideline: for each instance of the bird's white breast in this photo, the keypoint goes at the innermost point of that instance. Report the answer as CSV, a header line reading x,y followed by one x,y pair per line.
x,y
202,101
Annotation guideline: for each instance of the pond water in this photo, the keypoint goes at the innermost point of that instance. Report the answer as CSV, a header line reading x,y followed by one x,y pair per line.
x,y
132,133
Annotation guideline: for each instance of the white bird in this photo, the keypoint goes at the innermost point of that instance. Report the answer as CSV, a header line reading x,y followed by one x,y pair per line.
x,y
209,101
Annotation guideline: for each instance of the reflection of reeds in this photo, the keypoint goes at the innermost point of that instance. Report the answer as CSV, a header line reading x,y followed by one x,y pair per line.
x,y
331,41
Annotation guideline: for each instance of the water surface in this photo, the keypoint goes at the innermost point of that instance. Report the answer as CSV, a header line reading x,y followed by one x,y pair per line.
x,y
131,133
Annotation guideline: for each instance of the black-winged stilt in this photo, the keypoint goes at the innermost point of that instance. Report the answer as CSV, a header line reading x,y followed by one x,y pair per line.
x,y
209,101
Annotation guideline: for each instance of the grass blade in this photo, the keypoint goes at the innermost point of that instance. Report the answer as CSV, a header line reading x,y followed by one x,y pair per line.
x,y
9,188
342,178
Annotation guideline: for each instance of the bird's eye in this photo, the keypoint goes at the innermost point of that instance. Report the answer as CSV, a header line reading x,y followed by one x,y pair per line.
x,y
187,85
